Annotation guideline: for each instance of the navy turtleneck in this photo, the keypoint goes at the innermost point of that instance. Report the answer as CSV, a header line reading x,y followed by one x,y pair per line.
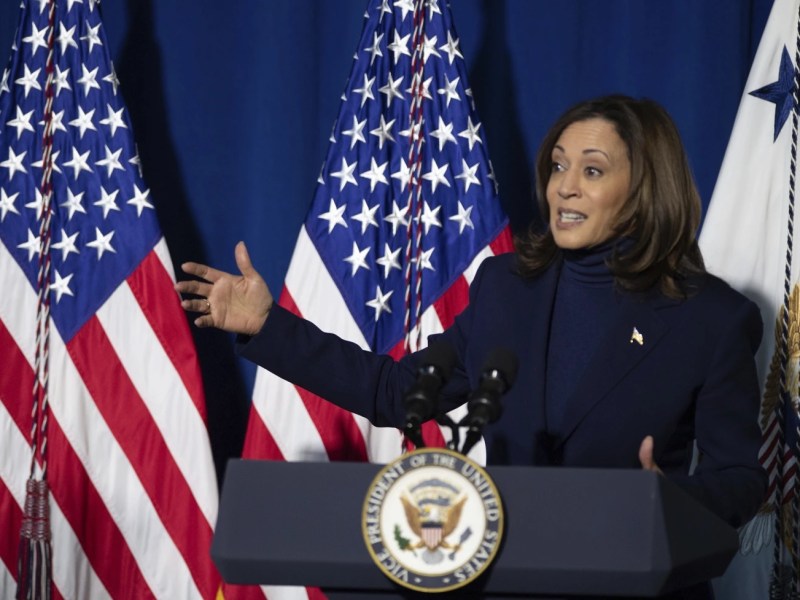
x,y
584,305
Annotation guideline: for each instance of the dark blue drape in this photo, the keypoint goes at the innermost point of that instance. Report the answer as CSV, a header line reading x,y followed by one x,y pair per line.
x,y
232,104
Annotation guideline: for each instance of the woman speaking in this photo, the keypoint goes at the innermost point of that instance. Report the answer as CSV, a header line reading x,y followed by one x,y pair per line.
x,y
630,353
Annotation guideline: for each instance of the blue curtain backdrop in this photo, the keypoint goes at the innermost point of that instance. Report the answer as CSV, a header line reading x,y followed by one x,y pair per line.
x,y
233,102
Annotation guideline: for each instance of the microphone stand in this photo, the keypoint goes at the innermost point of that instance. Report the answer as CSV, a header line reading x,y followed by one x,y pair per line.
x,y
473,436
413,432
444,420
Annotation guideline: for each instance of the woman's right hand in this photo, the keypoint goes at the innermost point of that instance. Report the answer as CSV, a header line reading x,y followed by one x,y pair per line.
x,y
235,303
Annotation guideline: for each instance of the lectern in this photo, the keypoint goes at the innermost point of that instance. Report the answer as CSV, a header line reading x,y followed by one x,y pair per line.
x,y
569,532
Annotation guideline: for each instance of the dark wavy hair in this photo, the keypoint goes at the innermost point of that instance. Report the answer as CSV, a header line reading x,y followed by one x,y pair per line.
x,y
661,214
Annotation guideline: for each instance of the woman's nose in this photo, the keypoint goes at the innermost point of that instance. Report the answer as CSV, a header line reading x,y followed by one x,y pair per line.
x,y
568,185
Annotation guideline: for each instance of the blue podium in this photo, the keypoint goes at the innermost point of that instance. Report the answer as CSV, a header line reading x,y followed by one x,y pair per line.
x,y
569,532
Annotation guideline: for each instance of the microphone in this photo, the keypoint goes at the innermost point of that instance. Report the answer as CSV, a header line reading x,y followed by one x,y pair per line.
x,y
420,401
498,375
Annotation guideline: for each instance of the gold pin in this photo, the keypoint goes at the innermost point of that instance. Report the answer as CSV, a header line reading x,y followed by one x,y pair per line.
x,y
637,337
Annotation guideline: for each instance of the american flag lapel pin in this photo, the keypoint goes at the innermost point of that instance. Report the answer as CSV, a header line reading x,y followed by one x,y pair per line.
x,y
637,337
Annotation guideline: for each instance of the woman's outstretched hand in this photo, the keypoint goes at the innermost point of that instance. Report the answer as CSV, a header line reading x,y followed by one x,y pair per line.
x,y
236,303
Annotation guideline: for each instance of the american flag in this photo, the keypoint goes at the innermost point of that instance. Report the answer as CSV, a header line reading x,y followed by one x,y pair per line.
x,y
133,491
748,239
405,210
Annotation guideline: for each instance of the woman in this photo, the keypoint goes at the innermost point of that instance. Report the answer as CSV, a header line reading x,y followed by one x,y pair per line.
x,y
629,350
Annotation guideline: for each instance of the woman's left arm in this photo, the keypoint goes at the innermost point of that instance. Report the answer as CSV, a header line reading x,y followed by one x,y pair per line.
x,y
729,479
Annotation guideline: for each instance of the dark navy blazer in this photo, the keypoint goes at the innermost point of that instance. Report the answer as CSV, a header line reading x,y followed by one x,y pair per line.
x,y
693,376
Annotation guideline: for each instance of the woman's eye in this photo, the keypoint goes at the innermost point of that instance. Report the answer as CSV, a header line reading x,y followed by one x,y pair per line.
x,y
593,171
556,167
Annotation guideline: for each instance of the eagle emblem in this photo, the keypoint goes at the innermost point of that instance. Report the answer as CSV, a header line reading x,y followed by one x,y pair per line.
x,y
433,511
432,520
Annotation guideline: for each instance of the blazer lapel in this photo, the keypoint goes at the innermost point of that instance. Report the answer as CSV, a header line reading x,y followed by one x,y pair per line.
x,y
634,332
533,331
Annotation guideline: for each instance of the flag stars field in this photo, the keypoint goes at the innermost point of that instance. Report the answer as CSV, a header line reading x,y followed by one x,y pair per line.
x,y
406,179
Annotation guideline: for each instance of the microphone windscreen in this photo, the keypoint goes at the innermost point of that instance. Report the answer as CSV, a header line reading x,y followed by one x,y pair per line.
x,y
442,356
505,362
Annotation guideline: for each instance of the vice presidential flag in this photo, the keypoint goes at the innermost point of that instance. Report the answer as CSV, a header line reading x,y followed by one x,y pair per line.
x,y
405,210
125,451
747,238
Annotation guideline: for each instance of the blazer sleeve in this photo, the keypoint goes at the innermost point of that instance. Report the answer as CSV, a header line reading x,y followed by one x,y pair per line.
x,y
358,380
337,370
728,478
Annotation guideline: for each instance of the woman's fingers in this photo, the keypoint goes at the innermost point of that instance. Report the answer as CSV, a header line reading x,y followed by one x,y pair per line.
x,y
200,305
646,455
194,286
204,321
202,271
243,261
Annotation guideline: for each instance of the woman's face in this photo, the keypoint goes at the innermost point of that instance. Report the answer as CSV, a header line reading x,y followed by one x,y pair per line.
x,y
589,183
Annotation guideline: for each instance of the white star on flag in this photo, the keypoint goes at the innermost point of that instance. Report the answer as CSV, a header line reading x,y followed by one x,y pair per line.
x,y
29,80
107,201
36,38
430,217
7,204
383,132
462,218
375,174
345,174
444,133
397,218
391,90
31,245
84,121
399,47
14,163
67,244
451,47
380,303
471,133
358,258
73,204
468,174
114,119
436,175
390,260
102,242
366,217
334,216
22,122
111,161
79,162
61,286
356,132
61,81
88,80
65,37
139,200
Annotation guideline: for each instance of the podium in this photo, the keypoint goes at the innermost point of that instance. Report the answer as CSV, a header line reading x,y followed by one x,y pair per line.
x,y
569,532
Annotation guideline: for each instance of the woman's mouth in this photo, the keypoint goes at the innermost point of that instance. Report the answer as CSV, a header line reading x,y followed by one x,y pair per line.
x,y
568,217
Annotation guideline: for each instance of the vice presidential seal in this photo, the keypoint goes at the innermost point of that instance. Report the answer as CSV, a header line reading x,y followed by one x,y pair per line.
x,y
432,520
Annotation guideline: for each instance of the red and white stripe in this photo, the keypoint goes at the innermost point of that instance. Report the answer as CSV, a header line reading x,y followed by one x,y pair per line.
x,y
288,423
134,494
